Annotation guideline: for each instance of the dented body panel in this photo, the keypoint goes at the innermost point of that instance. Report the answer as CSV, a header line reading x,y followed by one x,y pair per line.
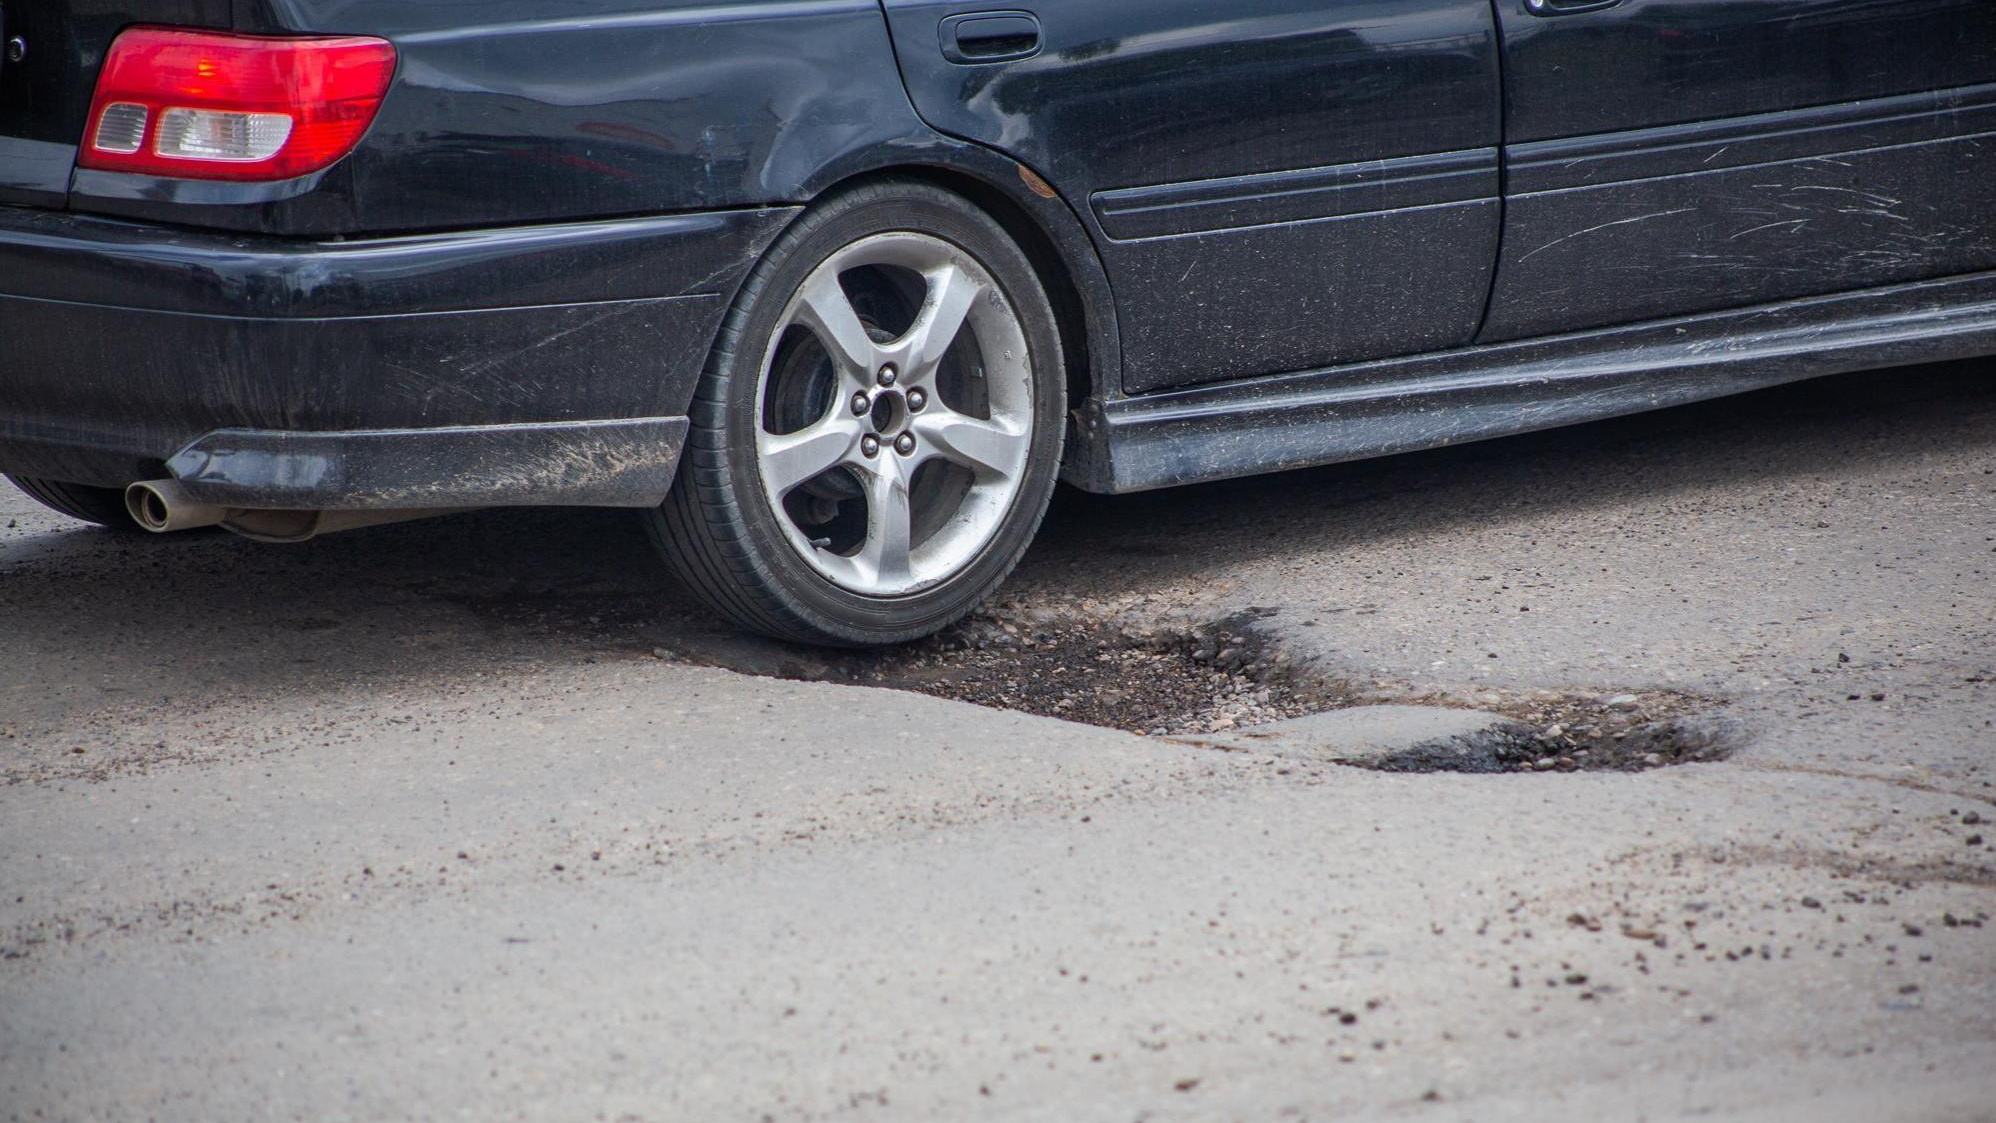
x,y
523,111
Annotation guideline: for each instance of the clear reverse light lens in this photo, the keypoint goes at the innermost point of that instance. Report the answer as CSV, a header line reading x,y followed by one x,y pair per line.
x,y
122,128
210,134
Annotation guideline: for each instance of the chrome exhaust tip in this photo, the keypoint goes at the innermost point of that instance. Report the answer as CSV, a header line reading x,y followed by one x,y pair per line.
x,y
163,506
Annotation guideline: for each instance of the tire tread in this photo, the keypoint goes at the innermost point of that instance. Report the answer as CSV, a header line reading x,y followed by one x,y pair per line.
x,y
103,506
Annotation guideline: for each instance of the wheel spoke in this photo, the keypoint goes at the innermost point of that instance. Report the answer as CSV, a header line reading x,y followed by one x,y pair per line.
x,y
887,415
885,556
824,308
988,448
952,294
796,458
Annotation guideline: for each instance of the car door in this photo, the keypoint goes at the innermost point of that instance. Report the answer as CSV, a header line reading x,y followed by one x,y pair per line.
x,y
1273,184
1666,157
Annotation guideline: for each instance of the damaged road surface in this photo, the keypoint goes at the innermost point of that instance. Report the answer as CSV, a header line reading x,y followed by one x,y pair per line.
x,y
1258,801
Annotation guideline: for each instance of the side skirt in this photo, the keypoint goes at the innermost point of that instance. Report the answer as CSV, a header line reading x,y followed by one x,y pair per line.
x,y
1310,418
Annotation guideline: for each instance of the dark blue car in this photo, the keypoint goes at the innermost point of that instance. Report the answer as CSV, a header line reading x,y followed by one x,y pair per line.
x,y
834,291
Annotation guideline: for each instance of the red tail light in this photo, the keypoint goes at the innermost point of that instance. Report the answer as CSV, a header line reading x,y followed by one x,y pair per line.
x,y
208,105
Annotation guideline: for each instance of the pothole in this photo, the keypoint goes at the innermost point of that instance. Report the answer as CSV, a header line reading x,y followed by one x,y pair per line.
x,y
1156,680
1228,685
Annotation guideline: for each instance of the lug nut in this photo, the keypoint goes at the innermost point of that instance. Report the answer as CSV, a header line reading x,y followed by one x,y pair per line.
x,y
917,401
888,375
869,445
905,444
861,403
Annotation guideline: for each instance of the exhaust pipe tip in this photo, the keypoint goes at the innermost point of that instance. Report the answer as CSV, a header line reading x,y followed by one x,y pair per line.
x,y
162,506
146,507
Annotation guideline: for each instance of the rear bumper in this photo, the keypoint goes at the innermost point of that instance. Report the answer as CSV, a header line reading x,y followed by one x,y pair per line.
x,y
549,364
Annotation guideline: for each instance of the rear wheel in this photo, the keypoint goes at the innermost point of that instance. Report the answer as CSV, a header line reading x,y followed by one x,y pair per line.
x,y
104,506
879,429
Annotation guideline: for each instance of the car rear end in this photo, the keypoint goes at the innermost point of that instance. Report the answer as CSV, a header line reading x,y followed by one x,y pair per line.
x,y
207,280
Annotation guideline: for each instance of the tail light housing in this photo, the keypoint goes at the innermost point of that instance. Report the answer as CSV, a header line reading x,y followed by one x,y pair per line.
x,y
211,105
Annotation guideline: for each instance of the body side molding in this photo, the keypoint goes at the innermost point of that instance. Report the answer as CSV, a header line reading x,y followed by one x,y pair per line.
x,y
1363,187
1760,138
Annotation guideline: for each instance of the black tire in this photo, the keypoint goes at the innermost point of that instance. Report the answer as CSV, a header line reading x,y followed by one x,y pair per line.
x,y
722,535
104,506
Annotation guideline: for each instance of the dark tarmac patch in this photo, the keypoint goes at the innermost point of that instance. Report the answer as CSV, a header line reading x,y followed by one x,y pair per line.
x,y
1228,676
1153,680
1610,741
1157,680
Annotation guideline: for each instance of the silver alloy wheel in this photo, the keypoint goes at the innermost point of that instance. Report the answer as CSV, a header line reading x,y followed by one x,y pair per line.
x,y
893,453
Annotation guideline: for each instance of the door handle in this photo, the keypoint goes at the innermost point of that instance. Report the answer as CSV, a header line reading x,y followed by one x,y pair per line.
x,y
1567,7
981,37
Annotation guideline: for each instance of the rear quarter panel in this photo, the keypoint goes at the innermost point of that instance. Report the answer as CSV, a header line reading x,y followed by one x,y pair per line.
x,y
520,111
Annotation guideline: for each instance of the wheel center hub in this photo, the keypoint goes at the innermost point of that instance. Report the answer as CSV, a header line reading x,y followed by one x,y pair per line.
x,y
889,411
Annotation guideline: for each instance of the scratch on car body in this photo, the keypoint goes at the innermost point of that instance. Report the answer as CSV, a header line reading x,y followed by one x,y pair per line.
x,y
1604,226
1794,224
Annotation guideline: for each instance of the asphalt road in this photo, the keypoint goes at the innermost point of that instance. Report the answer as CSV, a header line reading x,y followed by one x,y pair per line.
x,y
414,823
